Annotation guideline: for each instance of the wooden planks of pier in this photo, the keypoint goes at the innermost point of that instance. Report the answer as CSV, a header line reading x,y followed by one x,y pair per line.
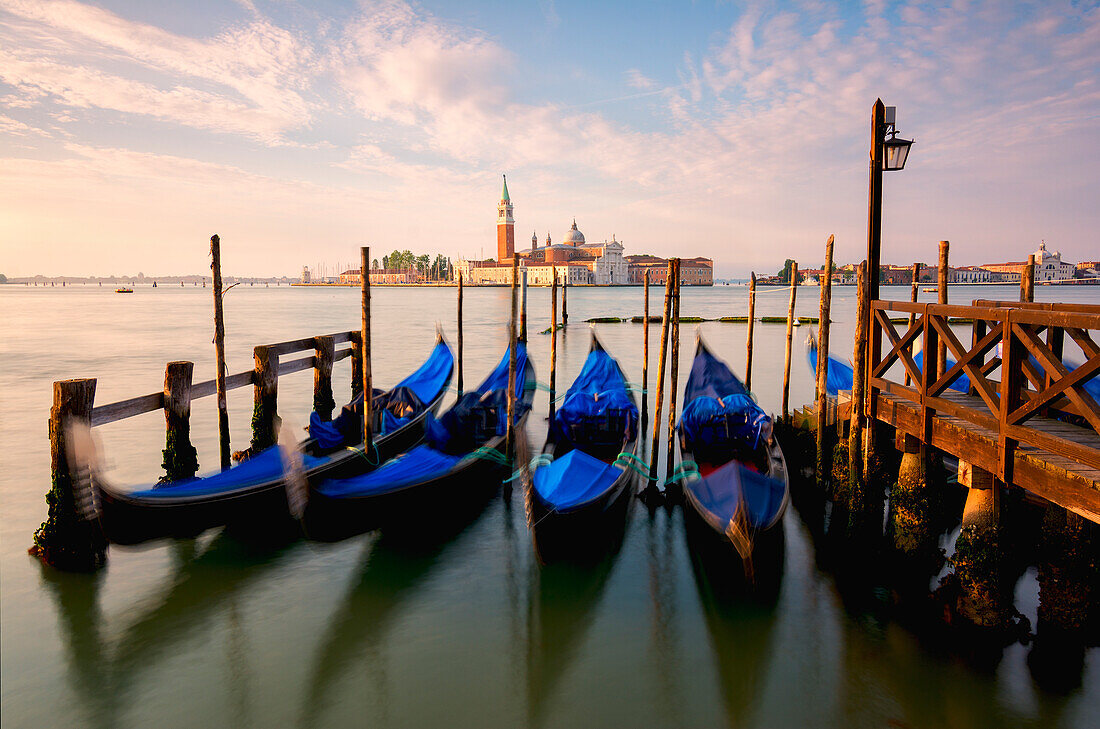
x,y
1036,427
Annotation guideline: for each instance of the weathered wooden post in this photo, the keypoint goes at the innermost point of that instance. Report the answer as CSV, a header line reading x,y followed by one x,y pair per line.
x,y
553,343
356,364
510,443
324,354
564,304
941,349
913,299
859,370
645,351
364,336
748,340
70,538
459,388
180,457
219,351
1027,280
790,339
672,383
823,467
654,451
523,309
265,396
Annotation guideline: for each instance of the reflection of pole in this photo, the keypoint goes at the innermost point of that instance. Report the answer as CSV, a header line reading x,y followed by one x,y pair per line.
x,y
219,350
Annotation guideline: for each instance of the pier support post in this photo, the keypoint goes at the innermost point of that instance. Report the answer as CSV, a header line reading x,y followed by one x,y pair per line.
x,y
180,457
910,517
982,600
324,353
357,364
71,537
859,358
265,396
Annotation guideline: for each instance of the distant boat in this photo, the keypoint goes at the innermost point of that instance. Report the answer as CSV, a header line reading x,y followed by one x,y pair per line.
x,y
124,290
931,289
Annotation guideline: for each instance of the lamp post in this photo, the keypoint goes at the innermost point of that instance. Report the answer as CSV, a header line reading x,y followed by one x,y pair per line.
x,y
887,154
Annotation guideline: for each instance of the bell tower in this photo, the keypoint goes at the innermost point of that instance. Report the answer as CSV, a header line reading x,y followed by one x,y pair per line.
x,y
506,224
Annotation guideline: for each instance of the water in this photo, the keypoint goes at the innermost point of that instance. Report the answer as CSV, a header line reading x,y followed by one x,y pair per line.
x,y
463,629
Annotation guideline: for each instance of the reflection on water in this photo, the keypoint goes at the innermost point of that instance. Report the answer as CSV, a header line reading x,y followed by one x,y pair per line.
x,y
458,624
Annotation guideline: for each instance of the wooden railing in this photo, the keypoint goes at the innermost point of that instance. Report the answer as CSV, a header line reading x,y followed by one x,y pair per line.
x,y
1007,341
103,414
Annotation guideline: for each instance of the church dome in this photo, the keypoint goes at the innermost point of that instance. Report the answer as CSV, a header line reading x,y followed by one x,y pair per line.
x,y
574,237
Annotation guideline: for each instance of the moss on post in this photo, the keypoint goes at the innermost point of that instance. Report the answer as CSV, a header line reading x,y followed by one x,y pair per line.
x,y
982,597
910,511
180,457
70,538
324,355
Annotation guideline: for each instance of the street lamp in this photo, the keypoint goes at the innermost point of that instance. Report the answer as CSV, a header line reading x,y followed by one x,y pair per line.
x,y
886,154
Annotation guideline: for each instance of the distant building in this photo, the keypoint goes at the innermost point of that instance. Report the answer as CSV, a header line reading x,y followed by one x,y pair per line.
x,y
1048,267
305,275
574,259
693,271
354,277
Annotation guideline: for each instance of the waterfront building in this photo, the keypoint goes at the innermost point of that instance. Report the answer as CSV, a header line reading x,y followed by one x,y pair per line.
x,y
1049,266
354,277
693,271
576,260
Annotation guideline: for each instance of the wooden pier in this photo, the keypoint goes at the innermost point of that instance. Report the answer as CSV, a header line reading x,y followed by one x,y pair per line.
x,y
1035,427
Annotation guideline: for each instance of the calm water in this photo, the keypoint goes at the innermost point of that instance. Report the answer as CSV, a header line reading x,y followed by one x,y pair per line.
x,y
466,629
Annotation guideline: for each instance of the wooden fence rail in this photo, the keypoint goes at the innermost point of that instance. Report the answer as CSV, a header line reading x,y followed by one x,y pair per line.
x,y
1008,342
112,412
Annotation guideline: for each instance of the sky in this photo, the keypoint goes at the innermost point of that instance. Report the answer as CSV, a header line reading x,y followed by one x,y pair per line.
x,y
131,131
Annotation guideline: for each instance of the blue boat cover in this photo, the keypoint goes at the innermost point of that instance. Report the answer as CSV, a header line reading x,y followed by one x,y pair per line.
x,y
264,467
472,420
722,491
597,409
409,397
708,421
574,479
838,374
420,464
710,377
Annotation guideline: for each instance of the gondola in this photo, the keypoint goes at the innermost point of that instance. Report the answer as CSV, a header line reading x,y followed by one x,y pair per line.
x,y
252,494
735,487
463,453
838,373
582,483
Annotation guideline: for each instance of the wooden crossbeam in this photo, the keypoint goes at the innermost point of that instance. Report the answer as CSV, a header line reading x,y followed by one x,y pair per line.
x,y
965,358
1090,410
1056,388
899,347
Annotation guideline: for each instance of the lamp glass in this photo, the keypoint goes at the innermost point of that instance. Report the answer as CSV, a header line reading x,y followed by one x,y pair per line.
x,y
895,151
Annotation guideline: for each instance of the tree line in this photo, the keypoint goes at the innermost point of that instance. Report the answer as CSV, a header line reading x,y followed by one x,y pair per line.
x,y
436,269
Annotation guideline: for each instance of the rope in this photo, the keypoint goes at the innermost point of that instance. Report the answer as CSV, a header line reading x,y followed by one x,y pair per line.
x,y
633,462
361,452
490,454
543,459
687,471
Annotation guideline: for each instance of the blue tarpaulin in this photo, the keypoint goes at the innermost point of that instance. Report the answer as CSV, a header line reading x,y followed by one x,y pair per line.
x,y
264,467
708,421
574,479
838,374
722,491
409,397
420,464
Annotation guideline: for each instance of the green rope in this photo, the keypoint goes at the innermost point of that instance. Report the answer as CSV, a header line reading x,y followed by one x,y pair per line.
x,y
543,459
633,462
490,454
688,470
361,452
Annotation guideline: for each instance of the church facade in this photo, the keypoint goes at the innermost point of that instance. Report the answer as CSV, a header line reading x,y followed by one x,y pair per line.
x,y
573,260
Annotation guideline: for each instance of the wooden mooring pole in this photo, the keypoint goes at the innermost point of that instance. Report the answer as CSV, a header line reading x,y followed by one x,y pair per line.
x,y
564,304
823,465
219,351
645,351
510,442
265,399
663,358
1027,281
672,377
790,339
859,356
324,353
459,387
71,537
180,457
942,276
364,335
913,298
553,343
748,339
523,309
